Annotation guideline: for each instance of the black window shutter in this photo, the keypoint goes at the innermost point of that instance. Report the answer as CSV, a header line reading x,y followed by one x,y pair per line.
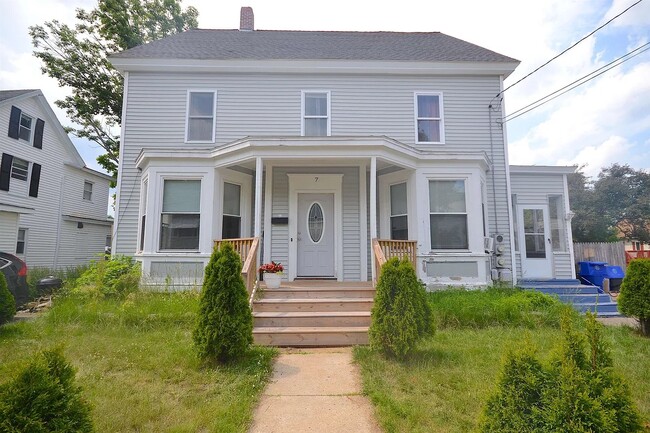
x,y
38,134
14,122
36,179
5,171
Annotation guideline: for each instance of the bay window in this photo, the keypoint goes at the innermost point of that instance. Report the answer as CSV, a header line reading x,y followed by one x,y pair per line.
x,y
448,214
180,217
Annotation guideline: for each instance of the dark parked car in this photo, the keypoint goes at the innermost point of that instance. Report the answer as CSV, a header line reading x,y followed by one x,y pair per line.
x,y
15,272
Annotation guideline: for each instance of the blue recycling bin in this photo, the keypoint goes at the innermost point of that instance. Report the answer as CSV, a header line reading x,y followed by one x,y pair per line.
x,y
596,272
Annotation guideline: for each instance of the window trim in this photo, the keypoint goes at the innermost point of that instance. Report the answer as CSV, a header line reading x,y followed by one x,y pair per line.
x,y
466,213
24,240
90,199
416,116
28,171
187,115
32,127
390,208
303,116
163,178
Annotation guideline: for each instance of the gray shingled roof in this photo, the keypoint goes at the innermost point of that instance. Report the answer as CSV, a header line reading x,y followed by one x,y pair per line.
x,y
202,44
9,94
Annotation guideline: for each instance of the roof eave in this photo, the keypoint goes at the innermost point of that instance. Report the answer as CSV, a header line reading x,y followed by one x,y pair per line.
x,y
313,66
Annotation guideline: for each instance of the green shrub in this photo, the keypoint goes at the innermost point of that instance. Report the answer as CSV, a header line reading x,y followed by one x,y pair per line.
x,y
494,306
577,392
401,315
68,275
634,299
43,398
7,301
116,277
224,328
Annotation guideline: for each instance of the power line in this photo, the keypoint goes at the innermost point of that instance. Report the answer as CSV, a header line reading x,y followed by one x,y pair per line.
x,y
590,34
580,81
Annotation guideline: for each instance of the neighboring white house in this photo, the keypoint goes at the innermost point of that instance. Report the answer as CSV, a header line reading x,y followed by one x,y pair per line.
x,y
52,207
318,142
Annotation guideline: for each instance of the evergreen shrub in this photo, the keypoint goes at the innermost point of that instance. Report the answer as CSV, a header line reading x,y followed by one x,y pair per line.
x,y
401,315
634,299
44,398
7,301
576,392
224,328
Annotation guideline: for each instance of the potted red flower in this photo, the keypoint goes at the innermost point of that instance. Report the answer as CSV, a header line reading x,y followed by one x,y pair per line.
x,y
272,274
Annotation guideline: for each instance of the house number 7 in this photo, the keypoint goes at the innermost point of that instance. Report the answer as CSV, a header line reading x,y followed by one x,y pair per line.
x,y
315,179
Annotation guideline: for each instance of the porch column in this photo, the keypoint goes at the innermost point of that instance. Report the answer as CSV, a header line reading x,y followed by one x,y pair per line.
x,y
259,169
373,210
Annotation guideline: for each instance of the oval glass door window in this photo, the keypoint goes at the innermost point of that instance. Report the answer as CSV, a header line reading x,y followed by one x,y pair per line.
x,y
315,222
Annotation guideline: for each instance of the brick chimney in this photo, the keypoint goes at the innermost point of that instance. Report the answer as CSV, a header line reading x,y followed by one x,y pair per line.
x,y
246,19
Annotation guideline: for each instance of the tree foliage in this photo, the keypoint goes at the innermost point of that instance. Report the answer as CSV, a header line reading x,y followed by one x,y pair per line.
x,y
7,301
224,328
616,203
401,314
77,57
634,299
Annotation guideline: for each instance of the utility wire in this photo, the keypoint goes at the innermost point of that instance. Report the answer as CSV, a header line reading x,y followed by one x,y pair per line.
x,y
594,31
580,81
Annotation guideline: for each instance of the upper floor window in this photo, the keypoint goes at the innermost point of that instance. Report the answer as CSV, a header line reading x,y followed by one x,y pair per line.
x,y
316,114
181,215
25,128
88,190
201,116
448,214
428,118
19,169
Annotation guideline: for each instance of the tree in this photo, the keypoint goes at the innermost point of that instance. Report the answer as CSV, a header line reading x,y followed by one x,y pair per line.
x,y
224,328
77,57
7,301
635,293
589,224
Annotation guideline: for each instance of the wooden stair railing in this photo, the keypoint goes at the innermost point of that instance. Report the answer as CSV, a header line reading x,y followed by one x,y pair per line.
x,y
247,250
386,249
636,254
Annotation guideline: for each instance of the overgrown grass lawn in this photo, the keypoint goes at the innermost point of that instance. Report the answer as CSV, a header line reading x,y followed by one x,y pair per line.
x,y
137,366
443,386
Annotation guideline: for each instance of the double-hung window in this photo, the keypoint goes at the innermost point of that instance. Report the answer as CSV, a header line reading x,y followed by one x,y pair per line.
x,y
181,215
231,223
428,118
316,114
201,116
88,191
556,220
398,212
448,214
21,241
25,127
19,169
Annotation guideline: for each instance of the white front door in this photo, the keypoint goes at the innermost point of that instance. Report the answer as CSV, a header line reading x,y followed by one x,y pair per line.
x,y
315,235
535,242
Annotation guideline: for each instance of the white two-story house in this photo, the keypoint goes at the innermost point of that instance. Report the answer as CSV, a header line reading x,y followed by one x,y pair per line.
x,y
319,142
53,209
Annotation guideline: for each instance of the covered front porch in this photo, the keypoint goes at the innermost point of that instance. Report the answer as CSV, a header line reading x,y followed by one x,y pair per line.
x,y
315,205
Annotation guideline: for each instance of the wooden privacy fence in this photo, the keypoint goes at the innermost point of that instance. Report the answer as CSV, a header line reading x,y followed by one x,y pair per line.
x,y
611,252
247,250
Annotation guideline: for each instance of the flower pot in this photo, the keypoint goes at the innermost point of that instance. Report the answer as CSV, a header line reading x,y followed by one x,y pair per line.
x,y
272,280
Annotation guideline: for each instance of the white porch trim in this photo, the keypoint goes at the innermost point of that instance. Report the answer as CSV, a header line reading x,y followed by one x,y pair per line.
x,y
363,218
373,209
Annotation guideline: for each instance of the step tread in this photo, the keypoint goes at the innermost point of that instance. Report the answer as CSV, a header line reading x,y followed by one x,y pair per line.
x,y
308,329
274,314
310,300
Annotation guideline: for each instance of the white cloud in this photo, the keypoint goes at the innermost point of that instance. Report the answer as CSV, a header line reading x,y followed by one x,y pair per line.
x,y
613,149
639,15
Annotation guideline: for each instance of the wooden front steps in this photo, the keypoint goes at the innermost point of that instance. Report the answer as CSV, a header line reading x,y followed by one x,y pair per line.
x,y
314,313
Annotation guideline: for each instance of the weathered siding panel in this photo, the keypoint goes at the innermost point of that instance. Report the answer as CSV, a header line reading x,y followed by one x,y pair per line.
x,y
8,231
82,244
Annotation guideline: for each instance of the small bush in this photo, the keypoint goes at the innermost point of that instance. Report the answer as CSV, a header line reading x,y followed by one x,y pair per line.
x,y
401,315
634,299
68,275
578,391
109,278
43,398
224,328
7,301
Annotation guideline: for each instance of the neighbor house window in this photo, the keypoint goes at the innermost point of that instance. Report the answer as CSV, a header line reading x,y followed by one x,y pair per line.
x,y
231,225
19,169
22,240
448,214
428,118
556,220
315,114
88,190
398,212
201,116
180,218
25,127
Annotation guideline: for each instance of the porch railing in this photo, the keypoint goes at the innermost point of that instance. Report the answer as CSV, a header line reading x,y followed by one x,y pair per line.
x,y
247,250
636,254
386,249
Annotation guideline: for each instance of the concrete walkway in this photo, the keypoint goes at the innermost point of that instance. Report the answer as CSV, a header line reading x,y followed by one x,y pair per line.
x,y
314,390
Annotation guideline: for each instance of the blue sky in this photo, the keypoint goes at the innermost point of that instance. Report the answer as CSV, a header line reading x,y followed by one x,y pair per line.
x,y
602,122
